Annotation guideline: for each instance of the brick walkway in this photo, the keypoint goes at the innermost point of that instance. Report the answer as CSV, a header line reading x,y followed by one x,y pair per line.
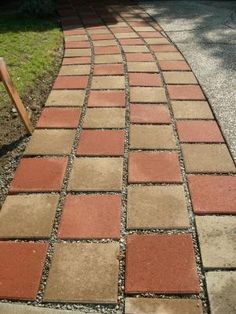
x,y
125,195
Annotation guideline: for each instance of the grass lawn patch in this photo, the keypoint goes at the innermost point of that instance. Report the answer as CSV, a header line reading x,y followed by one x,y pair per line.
x,y
32,48
29,46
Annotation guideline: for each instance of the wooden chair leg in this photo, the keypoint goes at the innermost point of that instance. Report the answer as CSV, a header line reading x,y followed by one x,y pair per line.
x,y
6,79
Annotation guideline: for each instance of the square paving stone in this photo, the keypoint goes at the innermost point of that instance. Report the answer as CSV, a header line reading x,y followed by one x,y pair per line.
x,y
108,82
28,216
108,69
74,70
101,142
163,48
126,35
170,65
77,44
106,50
157,207
199,131
135,49
77,53
139,57
179,78
101,36
71,82
66,98
104,118
130,42
213,194
104,43
221,287
154,167
65,118
90,217
21,267
147,94
76,38
217,239
162,264
207,158
191,110
96,174
108,59
142,67
39,175
162,306
10,308
157,41
50,142
145,113
152,137
169,56
186,92
84,273
76,60
106,99
144,79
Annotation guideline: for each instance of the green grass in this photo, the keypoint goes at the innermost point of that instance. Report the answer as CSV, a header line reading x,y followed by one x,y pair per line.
x,y
29,46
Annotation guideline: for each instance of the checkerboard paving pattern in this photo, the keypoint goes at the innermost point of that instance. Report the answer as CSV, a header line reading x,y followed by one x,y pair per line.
x,y
125,194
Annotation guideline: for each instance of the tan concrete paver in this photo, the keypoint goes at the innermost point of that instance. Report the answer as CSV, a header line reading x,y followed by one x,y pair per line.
x,y
28,216
152,137
29,309
142,67
221,288
157,207
147,94
160,305
84,272
81,69
207,158
191,110
179,78
104,118
50,142
108,82
169,56
77,52
157,41
108,58
217,241
66,98
135,48
96,174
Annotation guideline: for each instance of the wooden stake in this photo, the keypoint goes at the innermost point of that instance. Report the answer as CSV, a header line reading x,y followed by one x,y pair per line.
x,y
6,79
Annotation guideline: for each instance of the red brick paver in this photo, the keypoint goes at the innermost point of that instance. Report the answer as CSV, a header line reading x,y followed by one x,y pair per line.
x,y
59,118
106,99
71,82
161,264
21,266
213,194
101,142
39,175
154,167
186,92
199,131
149,114
91,217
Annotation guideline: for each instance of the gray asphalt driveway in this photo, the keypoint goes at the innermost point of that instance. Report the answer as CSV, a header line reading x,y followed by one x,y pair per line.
x,y
205,32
